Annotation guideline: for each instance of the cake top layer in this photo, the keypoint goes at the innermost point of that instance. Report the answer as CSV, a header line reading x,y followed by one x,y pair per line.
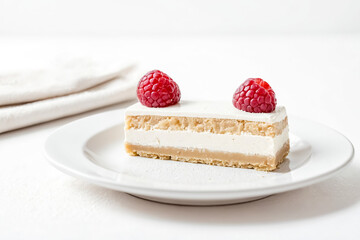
x,y
207,109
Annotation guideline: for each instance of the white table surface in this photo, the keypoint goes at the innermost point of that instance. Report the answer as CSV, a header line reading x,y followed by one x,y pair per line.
x,y
315,77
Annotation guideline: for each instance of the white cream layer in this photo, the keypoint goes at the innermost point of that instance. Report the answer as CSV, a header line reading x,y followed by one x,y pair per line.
x,y
246,144
205,109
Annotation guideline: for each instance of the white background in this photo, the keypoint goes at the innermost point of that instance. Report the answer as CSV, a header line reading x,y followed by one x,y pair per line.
x,y
309,51
164,17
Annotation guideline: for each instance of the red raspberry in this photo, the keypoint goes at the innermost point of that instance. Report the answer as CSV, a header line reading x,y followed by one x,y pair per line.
x,y
157,89
255,96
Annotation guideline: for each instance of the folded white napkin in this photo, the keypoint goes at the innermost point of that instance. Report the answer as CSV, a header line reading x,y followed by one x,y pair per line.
x,y
64,90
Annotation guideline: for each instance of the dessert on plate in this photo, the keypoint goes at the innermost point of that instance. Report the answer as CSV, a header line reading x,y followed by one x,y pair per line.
x,y
250,132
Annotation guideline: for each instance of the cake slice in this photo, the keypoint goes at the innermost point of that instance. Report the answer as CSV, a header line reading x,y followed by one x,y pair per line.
x,y
214,133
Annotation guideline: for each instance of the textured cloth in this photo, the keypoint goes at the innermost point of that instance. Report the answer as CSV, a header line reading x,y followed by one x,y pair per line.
x,y
39,96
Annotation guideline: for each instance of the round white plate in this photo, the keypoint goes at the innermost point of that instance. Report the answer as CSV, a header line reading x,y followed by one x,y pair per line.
x,y
92,149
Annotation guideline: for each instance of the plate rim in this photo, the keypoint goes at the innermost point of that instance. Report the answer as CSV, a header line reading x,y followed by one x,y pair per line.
x,y
117,185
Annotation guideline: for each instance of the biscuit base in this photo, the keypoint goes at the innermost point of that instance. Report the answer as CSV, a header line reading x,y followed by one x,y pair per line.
x,y
203,156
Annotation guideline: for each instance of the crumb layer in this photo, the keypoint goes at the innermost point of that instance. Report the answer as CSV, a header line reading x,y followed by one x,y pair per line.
x,y
212,125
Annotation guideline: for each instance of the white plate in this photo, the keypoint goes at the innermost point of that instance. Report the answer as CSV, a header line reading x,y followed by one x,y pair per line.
x,y
92,149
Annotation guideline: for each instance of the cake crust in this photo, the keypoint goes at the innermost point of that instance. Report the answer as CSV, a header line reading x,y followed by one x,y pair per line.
x,y
203,156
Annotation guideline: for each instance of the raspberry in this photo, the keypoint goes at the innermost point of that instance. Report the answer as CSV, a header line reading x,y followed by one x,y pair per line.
x,y
157,89
255,96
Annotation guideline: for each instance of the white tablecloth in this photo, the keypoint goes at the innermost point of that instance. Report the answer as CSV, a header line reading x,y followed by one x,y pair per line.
x,y
315,77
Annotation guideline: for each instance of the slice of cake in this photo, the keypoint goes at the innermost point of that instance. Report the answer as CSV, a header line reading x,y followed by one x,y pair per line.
x,y
208,132
249,133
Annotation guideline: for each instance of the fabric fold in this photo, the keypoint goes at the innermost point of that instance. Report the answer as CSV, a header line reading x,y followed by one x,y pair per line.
x,y
78,93
59,80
